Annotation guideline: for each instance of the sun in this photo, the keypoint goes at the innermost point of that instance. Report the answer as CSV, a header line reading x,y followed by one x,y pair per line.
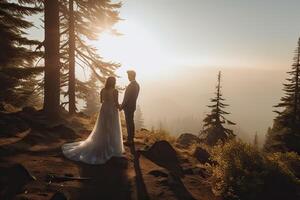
x,y
137,48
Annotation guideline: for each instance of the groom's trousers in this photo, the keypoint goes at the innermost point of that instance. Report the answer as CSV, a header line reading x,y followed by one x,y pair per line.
x,y
129,117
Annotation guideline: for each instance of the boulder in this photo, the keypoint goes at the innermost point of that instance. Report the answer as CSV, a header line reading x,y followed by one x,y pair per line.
x,y
164,155
14,178
187,139
202,155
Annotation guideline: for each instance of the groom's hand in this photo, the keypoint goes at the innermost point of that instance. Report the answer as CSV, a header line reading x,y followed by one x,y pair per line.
x,y
120,107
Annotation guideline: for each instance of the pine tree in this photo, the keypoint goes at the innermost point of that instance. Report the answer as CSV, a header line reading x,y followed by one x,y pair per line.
x,y
52,58
82,21
213,129
139,120
71,42
17,71
284,135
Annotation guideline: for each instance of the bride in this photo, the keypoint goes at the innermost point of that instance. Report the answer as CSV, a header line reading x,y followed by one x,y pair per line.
x,y
105,141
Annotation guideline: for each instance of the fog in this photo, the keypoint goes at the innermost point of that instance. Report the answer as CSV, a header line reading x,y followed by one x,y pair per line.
x,y
178,101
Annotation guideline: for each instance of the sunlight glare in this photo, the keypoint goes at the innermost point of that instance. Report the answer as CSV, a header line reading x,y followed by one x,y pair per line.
x,y
136,49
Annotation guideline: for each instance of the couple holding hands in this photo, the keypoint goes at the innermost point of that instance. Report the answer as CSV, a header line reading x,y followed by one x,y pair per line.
x,y
106,141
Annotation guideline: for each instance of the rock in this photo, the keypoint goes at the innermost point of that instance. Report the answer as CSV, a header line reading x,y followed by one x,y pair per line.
x,y
145,130
19,172
14,178
164,155
158,173
202,155
59,196
187,139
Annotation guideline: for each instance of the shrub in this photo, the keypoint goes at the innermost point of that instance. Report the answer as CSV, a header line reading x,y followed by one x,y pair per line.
x,y
245,173
289,161
282,139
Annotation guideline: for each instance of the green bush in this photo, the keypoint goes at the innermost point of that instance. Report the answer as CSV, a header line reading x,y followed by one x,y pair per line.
x,y
245,173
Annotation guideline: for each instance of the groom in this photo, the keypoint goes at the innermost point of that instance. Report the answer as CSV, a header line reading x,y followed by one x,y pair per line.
x,y
129,104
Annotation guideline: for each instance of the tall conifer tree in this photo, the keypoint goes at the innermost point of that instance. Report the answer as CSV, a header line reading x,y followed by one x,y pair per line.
x,y
52,58
284,135
83,21
213,129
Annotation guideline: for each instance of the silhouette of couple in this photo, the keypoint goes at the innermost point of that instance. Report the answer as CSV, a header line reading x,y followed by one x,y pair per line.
x,y
106,141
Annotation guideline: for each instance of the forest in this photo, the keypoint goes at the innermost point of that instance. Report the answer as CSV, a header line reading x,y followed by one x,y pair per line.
x,y
44,105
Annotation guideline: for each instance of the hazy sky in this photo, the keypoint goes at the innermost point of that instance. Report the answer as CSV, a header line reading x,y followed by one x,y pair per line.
x,y
234,33
177,47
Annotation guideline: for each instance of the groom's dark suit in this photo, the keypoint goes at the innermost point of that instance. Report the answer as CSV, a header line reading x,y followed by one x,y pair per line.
x,y
129,106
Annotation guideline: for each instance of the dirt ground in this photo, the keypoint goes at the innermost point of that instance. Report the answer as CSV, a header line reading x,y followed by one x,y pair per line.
x,y
125,178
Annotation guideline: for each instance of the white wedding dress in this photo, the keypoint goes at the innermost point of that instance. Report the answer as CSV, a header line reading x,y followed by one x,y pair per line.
x,y
105,141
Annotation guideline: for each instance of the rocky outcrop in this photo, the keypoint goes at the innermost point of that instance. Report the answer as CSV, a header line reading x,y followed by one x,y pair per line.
x,y
164,155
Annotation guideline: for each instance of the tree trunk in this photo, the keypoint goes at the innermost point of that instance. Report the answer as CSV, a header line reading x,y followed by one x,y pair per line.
x,y
52,63
71,89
